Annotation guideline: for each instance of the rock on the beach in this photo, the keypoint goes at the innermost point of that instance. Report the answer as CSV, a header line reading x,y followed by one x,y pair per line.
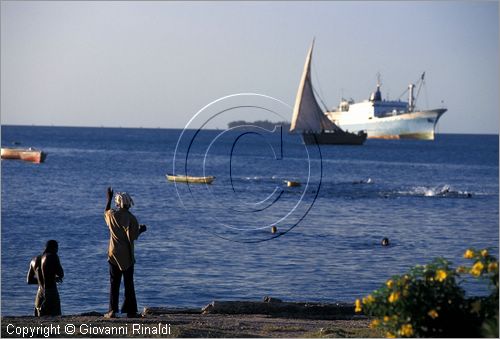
x,y
167,310
283,309
268,299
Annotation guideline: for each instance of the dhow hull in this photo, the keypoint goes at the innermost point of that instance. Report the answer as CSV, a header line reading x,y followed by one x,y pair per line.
x,y
334,138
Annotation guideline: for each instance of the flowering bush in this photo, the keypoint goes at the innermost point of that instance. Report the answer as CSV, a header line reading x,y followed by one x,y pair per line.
x,y
428,301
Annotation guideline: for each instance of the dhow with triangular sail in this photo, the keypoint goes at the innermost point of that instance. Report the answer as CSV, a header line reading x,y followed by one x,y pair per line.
x,y
309,119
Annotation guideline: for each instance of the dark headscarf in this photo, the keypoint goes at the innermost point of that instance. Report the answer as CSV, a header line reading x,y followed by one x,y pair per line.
x,y
51,247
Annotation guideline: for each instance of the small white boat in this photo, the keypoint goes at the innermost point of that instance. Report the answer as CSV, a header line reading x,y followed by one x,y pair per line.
x,y
190,179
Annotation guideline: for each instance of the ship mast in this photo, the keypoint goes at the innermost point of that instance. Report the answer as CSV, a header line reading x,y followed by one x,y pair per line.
x,y
376,96
411,98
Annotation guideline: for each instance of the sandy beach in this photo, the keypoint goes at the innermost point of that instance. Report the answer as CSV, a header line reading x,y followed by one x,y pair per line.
x,y
218,319
183,325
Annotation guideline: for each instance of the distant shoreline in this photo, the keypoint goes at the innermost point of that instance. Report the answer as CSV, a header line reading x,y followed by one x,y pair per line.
x,y
269,125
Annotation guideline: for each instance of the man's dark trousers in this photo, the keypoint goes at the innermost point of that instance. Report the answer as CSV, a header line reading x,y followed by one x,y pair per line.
x,y
129,303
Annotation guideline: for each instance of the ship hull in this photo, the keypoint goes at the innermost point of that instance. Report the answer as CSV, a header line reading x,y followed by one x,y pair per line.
x,y
415,125
334,138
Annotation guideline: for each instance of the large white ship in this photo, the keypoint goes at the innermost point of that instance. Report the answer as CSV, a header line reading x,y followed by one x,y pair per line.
x,y
387,119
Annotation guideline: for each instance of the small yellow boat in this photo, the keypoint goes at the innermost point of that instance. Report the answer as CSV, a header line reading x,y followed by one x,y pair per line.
x,y
290,183
189,179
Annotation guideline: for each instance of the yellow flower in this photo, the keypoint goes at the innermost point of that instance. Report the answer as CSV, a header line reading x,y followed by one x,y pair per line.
x,y
389,283
461,269
386,319
406,330
477,269
368,300
374,323
484,253
357,306
469,254
433,314
389,335
441,275
492,266
393,297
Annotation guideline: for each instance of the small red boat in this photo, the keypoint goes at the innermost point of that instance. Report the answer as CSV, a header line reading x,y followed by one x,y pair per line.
x,y
29,154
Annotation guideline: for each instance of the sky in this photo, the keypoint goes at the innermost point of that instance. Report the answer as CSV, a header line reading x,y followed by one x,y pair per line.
x,y
155,64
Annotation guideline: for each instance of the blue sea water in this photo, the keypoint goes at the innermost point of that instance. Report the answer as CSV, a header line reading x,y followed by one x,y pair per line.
x,y
214,243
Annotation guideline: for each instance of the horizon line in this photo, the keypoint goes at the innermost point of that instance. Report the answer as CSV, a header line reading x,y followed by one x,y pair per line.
x,y
214,129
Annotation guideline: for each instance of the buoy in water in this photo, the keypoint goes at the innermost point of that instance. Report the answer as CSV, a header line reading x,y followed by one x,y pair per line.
x,y
385,242
274,229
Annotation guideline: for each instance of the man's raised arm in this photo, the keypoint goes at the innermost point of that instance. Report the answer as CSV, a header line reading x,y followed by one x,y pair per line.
x,y
109,195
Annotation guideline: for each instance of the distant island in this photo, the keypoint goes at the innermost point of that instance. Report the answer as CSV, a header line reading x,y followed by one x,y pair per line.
x,y
269,125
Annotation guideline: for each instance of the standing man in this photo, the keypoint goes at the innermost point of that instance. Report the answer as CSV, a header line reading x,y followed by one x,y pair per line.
x,y
123,230
46,271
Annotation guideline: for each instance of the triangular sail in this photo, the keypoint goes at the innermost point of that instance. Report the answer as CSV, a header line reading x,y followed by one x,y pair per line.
x,y
307,115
